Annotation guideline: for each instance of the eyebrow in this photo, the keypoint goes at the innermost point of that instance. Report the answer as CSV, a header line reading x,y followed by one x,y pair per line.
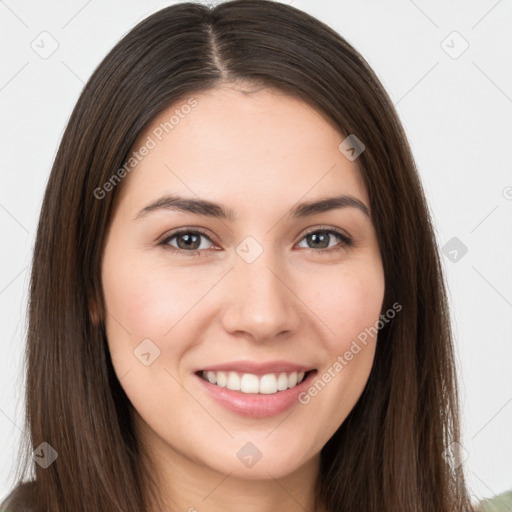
x,y
216,210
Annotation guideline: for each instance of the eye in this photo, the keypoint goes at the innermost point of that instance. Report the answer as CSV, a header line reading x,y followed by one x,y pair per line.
x,y
321,238
189,241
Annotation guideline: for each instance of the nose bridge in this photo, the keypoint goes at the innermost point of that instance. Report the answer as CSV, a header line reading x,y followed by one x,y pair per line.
x,y
261,304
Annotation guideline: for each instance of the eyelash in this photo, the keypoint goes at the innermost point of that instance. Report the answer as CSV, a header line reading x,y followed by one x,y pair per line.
x,y
346,241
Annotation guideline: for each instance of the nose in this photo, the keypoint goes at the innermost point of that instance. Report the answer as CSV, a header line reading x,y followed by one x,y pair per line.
x,y
259,299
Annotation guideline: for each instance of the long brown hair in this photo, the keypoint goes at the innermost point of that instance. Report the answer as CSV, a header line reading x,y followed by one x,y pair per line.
x,y
389,454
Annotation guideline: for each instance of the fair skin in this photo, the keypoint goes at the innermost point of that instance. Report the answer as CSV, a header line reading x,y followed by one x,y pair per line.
x,y
258,155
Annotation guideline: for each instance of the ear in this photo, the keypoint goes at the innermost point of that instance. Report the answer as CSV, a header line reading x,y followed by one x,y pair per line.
x,y
93,311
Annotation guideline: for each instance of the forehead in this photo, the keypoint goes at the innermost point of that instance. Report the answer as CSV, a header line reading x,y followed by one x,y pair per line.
x,y
248,149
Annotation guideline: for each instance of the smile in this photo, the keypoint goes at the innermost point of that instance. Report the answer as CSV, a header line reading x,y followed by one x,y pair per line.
x,y
267,384
254,396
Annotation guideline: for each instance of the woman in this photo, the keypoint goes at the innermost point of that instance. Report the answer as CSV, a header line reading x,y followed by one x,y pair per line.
x,y
192,343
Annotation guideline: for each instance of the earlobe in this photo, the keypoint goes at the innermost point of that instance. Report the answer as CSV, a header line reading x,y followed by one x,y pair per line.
x,y
93,311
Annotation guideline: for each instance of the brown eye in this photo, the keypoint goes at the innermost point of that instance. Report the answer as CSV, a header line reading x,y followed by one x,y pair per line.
x,y
321,240
187,242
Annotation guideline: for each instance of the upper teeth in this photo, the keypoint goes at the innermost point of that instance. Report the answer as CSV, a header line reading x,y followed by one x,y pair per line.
x,y
250,383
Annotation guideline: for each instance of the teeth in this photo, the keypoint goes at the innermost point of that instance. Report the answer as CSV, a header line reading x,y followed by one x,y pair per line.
x,y
222,379
282,382
233,381
268,384
250,383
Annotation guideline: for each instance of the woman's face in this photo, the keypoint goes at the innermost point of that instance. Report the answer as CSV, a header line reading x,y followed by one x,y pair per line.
x,y
255,284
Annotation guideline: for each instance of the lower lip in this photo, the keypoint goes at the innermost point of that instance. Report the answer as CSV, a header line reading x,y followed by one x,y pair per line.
x,y
256,405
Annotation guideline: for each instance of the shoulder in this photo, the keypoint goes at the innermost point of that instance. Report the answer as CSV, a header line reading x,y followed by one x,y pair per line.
x,y
19,499
500,503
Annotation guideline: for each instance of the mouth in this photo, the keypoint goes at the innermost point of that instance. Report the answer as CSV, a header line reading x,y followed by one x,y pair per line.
x,y
255,396
252,384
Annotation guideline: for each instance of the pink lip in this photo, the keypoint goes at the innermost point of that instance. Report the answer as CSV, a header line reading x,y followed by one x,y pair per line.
x,y
258,368
256,405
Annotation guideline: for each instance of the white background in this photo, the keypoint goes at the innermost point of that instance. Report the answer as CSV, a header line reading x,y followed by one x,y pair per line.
x,y
457,113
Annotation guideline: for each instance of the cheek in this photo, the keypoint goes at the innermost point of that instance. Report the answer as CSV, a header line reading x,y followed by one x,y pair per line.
x,y
349,303
350,306
148,300
145,303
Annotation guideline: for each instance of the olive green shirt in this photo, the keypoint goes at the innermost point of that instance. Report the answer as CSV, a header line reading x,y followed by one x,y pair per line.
x,y
500,503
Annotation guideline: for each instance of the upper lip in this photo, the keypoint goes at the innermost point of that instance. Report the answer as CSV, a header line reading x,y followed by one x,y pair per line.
x,y
256,368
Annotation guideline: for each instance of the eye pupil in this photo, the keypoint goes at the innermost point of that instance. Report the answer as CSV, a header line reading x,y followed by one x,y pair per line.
x,y
190,239
323,237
